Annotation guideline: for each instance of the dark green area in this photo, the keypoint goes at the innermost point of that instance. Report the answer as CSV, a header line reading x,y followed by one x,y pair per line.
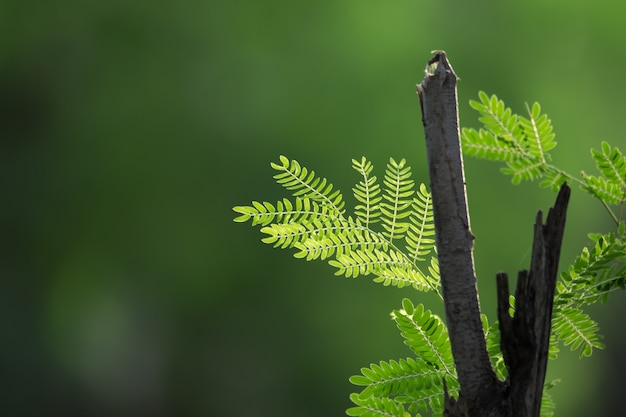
x,y
129,129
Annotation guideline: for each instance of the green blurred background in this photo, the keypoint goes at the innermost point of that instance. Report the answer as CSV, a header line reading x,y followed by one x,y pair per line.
x,y
129,129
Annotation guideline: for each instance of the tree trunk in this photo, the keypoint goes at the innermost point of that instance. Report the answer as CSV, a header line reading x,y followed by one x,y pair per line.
x,y
526,336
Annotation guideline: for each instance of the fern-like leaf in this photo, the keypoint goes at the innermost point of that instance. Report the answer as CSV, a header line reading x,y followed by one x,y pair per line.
x,y
420,237
336,238
553,179
398,195
612,164
537,134
394,377
573,327
376,407
492,337
283,235
367,193
597,272
412,383
315,225
285,211
265,213
287,224
497,118
426,334
610,186
547,403
304,183
603,189
485,144
524,170
390,267
521,142
416,384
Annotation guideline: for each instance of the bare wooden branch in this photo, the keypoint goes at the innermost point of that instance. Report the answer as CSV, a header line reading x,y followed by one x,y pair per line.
x,y
525,337
452,230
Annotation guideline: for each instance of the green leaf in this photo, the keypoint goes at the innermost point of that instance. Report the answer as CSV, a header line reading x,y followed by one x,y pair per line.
x,y
366,192
397,199
603,189
524,170
492,337
375,407
612,164
305,184
420,236
409,382
390,267
598,271
521,142
547,405
537,134
282,235
426,334
553,179
496,117
576,329
485,144
314,223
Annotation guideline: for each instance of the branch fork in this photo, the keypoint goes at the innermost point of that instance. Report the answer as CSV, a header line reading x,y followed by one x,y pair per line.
x,y
526,336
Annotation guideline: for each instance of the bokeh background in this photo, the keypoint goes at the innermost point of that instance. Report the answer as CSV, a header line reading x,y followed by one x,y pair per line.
x,y
129,129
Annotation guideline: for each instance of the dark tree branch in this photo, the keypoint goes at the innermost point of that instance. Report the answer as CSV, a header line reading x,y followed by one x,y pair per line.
x,y
525,337
452,230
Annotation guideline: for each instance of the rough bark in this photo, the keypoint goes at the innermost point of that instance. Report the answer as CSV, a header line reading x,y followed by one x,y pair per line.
x,y
525,336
